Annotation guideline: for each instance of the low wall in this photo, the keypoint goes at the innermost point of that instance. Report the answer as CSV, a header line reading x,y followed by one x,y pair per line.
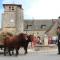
x,y
42,47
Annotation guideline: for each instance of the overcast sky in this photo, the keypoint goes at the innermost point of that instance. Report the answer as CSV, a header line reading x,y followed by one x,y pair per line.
x,y
37,9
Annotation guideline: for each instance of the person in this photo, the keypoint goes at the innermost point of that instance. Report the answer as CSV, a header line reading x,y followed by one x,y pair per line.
x,y
58,44
39,40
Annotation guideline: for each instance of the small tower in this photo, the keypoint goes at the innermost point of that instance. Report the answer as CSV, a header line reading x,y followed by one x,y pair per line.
x,y
12,18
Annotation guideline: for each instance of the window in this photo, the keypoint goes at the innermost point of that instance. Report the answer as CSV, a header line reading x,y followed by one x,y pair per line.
x,y
43,26
12,8
9,7
28,26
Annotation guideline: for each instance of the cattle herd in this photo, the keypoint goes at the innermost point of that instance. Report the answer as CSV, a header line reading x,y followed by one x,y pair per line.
x,y
13,43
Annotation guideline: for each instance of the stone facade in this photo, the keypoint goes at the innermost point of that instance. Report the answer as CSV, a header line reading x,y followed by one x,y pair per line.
x,y
13,18
39,26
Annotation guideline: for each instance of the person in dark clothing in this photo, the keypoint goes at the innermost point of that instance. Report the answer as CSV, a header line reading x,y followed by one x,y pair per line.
x,y
59,43
58,33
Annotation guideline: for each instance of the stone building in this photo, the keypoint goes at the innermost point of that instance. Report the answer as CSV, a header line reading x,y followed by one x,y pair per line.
x,y
41,26
13,21
12,18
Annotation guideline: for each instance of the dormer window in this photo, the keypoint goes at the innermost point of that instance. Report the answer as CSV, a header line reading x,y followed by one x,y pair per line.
x,y
43,26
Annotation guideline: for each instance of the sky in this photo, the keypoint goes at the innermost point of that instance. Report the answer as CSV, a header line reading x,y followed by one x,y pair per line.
x,y
36,9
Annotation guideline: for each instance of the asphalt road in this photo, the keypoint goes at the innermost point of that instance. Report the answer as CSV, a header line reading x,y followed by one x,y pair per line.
x,y
33,55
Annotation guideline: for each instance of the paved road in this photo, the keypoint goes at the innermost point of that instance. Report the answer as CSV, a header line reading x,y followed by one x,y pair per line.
x,y
33,55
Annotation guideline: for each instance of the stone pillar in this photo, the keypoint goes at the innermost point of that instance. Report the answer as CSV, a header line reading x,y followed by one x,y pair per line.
x,y
45,40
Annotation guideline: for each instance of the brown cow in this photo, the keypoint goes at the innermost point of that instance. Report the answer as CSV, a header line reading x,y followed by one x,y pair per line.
x,y
15,42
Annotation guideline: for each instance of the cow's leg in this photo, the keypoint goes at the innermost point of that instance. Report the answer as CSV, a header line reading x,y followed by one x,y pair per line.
x,y
17,52
12,52
9,50
1,48
4,51
25,48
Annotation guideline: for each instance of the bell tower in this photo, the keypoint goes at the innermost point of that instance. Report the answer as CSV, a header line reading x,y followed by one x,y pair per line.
x,y
13,18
